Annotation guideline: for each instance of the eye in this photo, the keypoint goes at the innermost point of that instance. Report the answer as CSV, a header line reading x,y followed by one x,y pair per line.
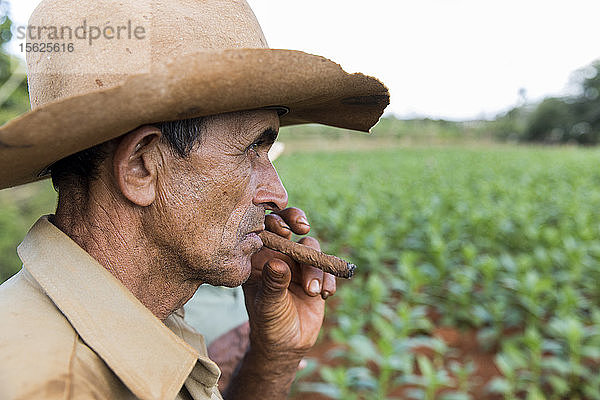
x,y
256,146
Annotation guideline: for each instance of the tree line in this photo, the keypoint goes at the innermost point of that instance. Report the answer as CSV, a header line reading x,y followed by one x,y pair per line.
x,y
573,119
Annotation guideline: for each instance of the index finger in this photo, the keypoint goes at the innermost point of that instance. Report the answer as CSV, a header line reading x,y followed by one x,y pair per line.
x,y
276,224
296,219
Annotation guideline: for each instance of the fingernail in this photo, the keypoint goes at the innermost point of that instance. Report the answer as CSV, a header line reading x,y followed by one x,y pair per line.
x,y
302,364
325,295
315,287
302,221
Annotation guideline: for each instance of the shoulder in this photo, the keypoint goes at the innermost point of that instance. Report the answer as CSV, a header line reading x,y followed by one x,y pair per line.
x,y
36,342
42,355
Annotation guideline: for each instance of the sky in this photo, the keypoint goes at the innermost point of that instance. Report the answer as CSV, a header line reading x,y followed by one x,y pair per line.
x,y
452,59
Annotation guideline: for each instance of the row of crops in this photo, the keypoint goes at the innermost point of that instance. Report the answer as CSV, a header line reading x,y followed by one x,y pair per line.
x,y
502,244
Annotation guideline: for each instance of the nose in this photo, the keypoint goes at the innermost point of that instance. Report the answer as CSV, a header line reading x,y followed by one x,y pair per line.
x,y
270,192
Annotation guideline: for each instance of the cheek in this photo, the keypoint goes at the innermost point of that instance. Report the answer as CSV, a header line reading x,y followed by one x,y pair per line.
x,y
225,200
233,199
207,210
180,207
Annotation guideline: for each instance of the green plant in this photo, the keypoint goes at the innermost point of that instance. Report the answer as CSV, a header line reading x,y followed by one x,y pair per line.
x,y
504,241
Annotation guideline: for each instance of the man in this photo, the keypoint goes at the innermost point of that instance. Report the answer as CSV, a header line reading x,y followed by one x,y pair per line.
x,y
157,145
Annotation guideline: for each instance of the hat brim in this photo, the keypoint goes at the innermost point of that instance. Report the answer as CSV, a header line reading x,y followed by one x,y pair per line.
x,y
313,88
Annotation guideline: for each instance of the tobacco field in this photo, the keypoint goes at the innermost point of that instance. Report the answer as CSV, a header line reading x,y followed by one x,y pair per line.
x,y
479,272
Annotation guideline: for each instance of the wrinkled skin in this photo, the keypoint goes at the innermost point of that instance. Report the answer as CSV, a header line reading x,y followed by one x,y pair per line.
x,y
210,201
164,225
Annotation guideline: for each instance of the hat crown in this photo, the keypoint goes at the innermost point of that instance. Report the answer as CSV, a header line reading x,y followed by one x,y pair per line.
x,y
99,44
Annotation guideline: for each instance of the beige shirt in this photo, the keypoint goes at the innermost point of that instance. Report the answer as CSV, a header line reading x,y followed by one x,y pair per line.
x,y
71,330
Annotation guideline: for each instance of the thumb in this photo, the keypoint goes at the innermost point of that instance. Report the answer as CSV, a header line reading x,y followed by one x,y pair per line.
x,y
276,277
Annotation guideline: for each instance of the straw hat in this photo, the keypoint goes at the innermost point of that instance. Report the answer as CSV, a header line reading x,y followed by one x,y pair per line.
x,y
98,69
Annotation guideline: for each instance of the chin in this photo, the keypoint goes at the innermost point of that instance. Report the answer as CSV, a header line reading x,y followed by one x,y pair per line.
x,y
244,273
234,284
231,274
236,281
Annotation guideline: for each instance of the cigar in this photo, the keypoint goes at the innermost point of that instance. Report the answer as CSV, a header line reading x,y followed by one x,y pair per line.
x,y
307,255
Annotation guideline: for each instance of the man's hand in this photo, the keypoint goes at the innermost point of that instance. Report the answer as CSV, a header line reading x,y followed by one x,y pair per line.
x,y
285,303
285,299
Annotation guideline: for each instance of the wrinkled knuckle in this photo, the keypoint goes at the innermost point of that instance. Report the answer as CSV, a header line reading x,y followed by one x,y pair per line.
x,y
272,219
280,212
291,213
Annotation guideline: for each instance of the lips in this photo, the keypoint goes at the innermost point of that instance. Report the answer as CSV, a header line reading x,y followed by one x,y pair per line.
x,y
258,230
253,241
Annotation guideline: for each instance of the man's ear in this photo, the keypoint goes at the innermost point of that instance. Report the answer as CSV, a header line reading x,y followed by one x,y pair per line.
x,y
135,164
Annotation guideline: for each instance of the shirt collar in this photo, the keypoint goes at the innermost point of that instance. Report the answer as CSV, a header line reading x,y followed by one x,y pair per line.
x,y
146,355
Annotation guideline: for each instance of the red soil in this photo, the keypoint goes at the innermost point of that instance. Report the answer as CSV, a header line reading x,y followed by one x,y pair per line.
x,y
466,348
